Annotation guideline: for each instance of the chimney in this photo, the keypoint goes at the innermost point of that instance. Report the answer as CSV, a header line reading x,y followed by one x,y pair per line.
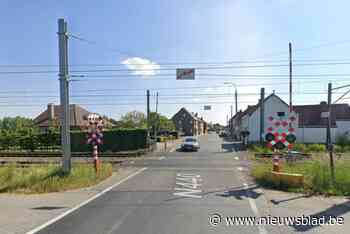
x,y
51,111
196,115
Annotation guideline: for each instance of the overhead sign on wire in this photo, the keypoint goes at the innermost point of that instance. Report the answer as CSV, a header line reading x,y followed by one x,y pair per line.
x,y
185,73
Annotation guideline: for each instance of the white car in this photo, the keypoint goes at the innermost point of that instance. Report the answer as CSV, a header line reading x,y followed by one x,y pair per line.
x,y
190,144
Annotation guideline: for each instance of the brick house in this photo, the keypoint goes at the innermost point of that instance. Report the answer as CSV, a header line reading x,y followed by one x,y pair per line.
x,y
52,117
188,123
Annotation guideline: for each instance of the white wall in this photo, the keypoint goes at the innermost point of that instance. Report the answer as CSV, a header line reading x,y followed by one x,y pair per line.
x,y
271,107
314,135
343,128
319,135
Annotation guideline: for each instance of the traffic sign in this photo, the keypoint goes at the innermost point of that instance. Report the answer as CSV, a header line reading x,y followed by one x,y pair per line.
x,y
280,133
185,73
206,107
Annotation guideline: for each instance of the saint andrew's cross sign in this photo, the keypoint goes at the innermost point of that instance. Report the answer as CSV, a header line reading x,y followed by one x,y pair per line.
x,y
281,131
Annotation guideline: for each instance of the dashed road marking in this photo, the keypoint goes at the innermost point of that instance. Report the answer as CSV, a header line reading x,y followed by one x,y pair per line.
x,y
161,158
236,158
187,185
240,168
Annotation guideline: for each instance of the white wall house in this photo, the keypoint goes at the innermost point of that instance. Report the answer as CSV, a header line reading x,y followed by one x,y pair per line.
x,y
311,125
272,105
250,118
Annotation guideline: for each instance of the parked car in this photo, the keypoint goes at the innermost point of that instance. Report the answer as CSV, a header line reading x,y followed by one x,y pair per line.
x,y
190,144
223,134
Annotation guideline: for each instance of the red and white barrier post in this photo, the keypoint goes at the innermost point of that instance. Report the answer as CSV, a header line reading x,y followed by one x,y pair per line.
x,y
95,137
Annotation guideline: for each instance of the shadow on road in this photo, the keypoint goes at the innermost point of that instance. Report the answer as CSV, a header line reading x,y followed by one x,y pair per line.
x,y
241,193
276,202
232,146
334,211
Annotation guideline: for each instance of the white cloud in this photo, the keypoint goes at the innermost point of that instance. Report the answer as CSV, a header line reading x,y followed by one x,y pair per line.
x,y
141,66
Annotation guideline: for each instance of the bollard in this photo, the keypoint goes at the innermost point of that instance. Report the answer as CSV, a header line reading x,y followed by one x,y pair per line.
x,y
276,164
95,156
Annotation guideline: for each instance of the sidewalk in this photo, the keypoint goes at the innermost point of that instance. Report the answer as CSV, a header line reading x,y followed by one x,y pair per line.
x,y
22,213
168,146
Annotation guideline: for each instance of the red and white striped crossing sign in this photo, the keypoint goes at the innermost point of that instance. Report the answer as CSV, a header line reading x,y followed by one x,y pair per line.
x,y
280,132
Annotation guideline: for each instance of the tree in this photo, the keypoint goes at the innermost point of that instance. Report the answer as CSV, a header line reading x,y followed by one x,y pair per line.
x,y
134,119
161,122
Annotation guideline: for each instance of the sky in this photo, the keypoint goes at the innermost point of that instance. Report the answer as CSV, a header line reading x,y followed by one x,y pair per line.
x,y
119,49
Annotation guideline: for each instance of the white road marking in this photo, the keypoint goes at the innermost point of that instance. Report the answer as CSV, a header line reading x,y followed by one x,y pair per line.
x,y
161,158
254,208
131,162
173,149
237,158
187,185
35,230
240,168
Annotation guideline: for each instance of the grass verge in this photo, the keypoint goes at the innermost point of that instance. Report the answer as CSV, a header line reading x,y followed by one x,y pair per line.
x,y
316,177
50,178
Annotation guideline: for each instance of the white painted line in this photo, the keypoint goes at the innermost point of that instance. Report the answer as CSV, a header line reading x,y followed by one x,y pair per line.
x,y
240,168
35,230
254,208
131,162
173,149
236,158
161,158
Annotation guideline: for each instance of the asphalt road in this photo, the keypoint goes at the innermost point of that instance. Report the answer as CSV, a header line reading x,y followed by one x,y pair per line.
x,y
176,193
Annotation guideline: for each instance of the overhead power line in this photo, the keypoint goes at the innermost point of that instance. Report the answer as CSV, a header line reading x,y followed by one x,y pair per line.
x,y
169,69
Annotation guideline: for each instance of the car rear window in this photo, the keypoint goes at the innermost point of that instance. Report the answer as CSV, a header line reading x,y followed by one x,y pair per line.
x,y
190,140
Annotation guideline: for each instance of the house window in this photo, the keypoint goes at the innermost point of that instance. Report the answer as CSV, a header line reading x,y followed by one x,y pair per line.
x,y
281,114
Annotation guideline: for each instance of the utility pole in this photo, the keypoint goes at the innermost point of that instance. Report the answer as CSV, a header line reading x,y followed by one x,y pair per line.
x,y
262,115
64,94
157,119
148,116
329,135
236,97
230,123
290,79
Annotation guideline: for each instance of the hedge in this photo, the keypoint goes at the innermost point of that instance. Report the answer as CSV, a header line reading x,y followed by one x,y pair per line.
x,y
113,140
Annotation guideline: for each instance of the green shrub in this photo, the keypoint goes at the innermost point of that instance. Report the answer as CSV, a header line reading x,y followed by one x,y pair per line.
x,y
299,147
316,148
342,141
113,140
339,149
29,142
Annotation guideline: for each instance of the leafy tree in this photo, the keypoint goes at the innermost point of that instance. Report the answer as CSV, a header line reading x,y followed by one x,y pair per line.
x,y
133,119
161,122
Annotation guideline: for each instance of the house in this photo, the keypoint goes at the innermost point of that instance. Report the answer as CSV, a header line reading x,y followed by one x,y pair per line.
x,y
249,119
313,122
188,123
52,117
